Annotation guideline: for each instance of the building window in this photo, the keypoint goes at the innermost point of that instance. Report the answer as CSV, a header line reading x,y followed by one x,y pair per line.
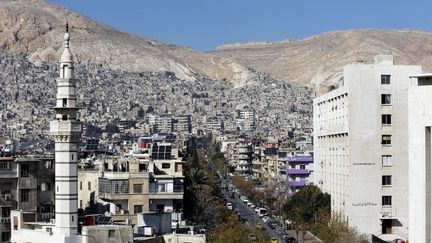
x,y
302,167
386,140
64,102
73,218
386,180
25,170
166,165
386,119
89,185
385,99
48,164
4,166
72,157
385,79
80,204
24,195
386,200
46,208
138,209
387,160
111,234
137,188
44,186
142,167
5,236
161,188
5,212
80,185
160,208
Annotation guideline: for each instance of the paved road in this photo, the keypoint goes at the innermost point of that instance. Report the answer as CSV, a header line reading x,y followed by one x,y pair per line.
x,y
248,214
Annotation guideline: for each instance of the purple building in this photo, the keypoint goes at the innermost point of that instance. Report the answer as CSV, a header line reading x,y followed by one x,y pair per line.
x,y
299,172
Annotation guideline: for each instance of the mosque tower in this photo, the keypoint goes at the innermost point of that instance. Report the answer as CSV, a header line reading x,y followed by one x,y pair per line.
x,y
66,130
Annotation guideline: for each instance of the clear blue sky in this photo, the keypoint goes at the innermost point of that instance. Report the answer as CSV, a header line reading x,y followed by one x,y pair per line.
x,y
205,24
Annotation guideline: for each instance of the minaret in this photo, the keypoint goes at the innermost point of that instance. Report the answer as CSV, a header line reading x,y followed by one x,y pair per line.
x,y
66,130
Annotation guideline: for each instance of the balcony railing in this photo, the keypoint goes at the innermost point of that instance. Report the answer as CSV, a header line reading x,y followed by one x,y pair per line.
x,y
45,216
298,172
5,220
300,159
296,183
154,188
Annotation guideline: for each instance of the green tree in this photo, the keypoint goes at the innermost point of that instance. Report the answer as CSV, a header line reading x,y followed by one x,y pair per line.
x,y
303,207
195,160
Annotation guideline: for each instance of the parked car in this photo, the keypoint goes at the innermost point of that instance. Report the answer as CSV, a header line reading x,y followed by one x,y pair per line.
x,y
229,206
244,199
252,206
259,226
266,219
252,238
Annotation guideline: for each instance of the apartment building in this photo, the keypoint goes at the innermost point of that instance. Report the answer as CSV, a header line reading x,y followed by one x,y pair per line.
x,y
299,170
360,146
26,183
148,180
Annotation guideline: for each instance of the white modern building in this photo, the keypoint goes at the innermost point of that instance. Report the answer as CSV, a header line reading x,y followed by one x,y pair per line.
x,y
420,146
360,147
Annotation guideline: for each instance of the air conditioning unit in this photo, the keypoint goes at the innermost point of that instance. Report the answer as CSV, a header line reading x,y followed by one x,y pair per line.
x,y
386,214
7,196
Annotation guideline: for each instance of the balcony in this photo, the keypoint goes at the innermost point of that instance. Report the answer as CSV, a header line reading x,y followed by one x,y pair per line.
x,y
155,188
5,220
47,216
296,183
300,159
298,172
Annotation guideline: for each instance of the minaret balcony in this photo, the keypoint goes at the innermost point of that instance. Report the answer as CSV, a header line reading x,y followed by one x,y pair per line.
x,y
60,126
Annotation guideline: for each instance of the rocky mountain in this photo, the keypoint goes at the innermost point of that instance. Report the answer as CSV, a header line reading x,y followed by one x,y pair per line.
x,y
318,60
33,27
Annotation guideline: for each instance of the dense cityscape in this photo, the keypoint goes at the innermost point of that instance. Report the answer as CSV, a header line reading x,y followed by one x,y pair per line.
x,y
93,153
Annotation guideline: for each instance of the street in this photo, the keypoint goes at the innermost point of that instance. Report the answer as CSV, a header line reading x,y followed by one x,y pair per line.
x,y
248,214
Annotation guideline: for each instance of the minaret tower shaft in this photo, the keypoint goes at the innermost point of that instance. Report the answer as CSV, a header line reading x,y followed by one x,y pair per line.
x,y
66,130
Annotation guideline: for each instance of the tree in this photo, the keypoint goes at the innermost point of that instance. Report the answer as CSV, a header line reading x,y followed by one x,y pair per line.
x,y
303,206
195,160
331,229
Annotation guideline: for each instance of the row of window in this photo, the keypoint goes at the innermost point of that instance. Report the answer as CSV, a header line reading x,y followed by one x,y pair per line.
x,y
88,185
386,140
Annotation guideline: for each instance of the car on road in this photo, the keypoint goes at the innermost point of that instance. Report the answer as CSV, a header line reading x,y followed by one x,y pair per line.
x,y
229,206
244,199
259,226
252,238
274,240
252,206
266,219
249,204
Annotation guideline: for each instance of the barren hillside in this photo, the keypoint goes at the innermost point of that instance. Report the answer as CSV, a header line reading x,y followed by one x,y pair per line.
x,y
33,27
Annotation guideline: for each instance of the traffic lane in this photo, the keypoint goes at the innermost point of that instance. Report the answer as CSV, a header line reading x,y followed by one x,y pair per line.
x,y
248,214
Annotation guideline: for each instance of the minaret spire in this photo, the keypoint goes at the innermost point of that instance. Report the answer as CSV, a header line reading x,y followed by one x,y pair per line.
x,y
66,61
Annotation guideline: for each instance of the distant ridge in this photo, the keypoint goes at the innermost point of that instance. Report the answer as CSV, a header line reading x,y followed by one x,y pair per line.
x,y
32,27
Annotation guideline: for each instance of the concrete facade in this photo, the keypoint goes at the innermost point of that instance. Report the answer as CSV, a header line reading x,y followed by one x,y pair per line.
x,y
360,135
420,123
